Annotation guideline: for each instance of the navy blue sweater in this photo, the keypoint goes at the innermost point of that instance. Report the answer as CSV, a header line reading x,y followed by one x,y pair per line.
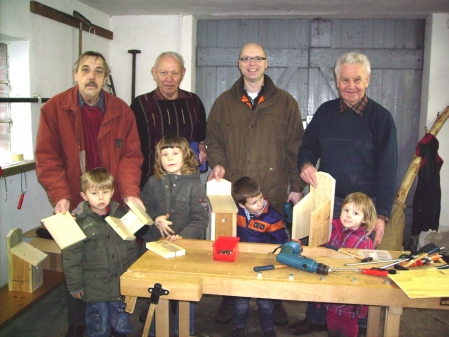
x,y
359,152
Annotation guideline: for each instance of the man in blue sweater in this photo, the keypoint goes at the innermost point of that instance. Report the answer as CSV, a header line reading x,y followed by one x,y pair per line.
x,y
355,140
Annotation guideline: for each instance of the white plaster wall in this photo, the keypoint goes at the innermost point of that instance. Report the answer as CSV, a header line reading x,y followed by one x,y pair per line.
x,y
151,35
435,98
53,48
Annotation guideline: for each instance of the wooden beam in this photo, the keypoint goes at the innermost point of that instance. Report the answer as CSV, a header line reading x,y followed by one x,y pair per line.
x,y
228,57
51,13
379,58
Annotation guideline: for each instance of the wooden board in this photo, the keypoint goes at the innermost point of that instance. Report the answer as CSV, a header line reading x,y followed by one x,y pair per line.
x,y
140,212
222,187
222,204
28,253
223,224
120,228
312,216
220,198
319,225
64,229
423,283
301,217
13,238
165,249
132,222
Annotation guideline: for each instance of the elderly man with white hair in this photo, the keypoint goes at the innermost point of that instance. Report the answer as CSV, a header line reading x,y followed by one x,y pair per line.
x,y
355,140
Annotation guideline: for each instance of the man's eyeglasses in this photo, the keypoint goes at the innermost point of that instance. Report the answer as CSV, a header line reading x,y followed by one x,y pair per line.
x,y
255,59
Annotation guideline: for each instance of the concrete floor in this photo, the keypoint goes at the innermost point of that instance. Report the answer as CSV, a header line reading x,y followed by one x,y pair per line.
x,y
48,319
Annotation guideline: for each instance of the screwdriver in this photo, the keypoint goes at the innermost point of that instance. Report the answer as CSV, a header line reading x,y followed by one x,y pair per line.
x,y
365,271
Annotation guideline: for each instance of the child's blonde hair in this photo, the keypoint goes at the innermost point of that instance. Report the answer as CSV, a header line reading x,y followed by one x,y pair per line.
x,y
97,178
190,163
365,205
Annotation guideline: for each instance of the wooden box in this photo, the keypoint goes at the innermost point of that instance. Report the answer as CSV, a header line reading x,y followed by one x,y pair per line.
x,y
224,210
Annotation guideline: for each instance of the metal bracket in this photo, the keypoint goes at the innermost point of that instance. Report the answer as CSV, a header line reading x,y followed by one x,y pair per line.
x,y
156,292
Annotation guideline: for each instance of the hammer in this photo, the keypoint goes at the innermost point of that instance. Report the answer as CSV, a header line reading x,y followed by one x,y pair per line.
x,y
133,85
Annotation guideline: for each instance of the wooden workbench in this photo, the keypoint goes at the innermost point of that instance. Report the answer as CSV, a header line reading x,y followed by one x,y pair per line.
x,y
188,277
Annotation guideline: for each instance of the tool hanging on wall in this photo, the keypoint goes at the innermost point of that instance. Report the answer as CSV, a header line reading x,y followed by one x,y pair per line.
x,y
133,78
84,21
23,176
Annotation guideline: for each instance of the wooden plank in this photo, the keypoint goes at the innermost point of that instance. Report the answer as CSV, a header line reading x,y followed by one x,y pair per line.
x,y
313,98
140,213
303,92
222,187
165,248
320,34
130,302
64,229
303,34
242,32
228,57
423,283
162,324
400,34
378,31
301,217
392,321
389,34
51,13
201,37
13,238
379,58
221,80
28,253
263,38
222,31
368,33
320,221
285,79
336,33
253,31
283,36
225,224
222,204
312,216
120,228
212,33
373,321
21,276
211,86
184,318
273,34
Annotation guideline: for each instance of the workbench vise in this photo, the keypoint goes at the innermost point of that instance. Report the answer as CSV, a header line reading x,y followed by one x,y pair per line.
x,y
290,255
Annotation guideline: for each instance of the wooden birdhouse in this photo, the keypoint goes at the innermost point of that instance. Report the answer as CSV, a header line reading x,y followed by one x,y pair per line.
x,y
223,207
25,272
312,216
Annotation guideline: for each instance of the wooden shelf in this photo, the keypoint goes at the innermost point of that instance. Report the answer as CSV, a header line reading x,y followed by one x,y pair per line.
x,y
14,303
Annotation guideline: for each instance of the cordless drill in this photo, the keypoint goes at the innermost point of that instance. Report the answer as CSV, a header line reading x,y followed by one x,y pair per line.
x,y
289,255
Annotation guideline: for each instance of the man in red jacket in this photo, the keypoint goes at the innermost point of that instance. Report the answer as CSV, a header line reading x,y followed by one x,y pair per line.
x,y
82,128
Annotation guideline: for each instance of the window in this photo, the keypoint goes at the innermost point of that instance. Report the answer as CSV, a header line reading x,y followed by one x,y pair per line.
x,y
5,118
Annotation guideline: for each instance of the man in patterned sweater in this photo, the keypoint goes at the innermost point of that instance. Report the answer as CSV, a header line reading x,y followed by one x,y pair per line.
x,y
168,110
